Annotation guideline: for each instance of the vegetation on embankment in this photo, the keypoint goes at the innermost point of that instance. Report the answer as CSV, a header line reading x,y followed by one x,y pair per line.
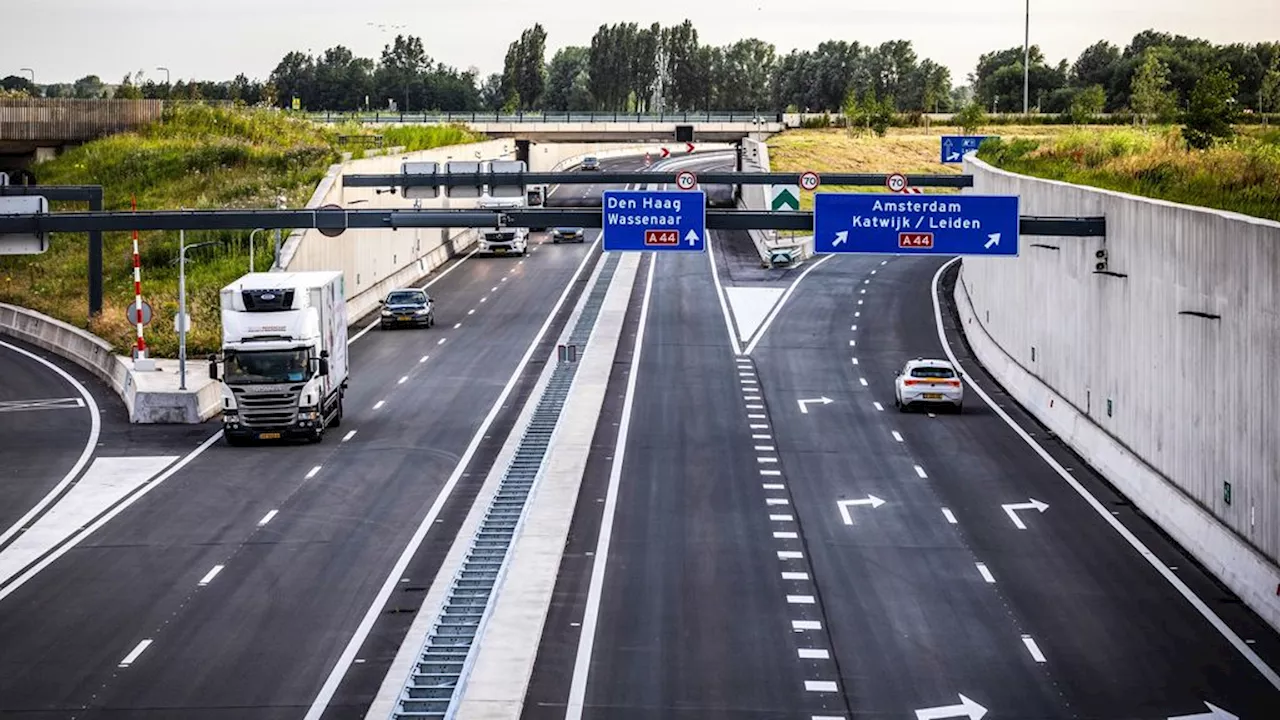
x,y
196,157
1240,175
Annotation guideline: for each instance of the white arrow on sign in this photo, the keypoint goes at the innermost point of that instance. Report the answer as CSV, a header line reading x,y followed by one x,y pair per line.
x,y
692,237
842,237
953,156
966,708
1215,713
804,403
1012,509
992,239
844,506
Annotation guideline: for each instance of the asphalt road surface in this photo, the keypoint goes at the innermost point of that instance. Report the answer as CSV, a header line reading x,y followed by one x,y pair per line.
x,y
136,623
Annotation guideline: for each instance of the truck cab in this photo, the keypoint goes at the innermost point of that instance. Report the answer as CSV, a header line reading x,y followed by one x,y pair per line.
x,y
284,356
502,240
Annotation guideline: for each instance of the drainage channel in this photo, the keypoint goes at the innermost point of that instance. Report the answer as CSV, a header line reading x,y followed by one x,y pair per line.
x,y
432,687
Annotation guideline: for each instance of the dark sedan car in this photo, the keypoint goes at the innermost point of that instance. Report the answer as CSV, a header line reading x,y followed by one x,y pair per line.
x,y
408,306
567,234
590,163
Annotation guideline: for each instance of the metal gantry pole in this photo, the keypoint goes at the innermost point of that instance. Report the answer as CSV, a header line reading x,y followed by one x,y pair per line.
x,y
182,309
1026,64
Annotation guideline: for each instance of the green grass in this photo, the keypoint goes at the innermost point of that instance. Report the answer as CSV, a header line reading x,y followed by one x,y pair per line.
x,y
197,157
1242,175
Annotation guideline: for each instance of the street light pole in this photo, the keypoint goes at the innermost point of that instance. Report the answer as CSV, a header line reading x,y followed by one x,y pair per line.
x,y
33,74
1026,64
251,253
166,75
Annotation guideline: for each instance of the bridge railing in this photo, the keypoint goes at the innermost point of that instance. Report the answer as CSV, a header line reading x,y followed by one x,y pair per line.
x,y
540,117
65,119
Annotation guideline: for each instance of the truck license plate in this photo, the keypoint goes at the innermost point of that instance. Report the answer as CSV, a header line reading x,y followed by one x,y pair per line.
x,y
500,250
268,436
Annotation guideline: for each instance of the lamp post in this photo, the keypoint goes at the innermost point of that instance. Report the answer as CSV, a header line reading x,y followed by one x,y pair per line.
x,y
1026,64
251,253
32,72
183,321
166,75
281,204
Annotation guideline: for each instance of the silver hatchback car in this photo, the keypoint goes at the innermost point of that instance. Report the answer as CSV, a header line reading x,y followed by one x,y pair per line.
x,y
923,382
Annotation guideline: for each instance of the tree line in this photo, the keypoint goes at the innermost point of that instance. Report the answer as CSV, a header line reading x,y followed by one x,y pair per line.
x,y
632,68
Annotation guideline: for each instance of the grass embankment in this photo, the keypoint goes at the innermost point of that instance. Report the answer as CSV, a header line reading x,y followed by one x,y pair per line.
x,y
196,157
1241,176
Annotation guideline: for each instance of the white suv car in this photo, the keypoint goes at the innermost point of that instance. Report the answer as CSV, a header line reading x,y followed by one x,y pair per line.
x,y
924,382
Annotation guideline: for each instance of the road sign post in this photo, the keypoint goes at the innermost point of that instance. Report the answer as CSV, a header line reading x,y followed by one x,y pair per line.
x,y
954,147
882,224
658,220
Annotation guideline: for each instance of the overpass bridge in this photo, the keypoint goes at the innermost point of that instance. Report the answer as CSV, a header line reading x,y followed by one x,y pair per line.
x,y
32,130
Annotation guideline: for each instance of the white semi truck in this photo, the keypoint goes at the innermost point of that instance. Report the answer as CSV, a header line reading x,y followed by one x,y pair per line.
x,y
502,240
284,356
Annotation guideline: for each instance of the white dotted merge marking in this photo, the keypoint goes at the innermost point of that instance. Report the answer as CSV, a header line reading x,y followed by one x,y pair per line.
x,y
790,555
209,576
795,576
813,654
920,472
950,516
985,573
784,535
267,518
897,436
1033,648
820,686
800,599
782,518
135,652
806,625
313,472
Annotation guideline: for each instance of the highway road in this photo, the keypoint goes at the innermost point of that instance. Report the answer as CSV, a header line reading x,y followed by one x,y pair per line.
x,y
231,588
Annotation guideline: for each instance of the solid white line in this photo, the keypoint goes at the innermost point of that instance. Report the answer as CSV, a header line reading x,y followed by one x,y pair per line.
x,y
267,518
91,443
403,380
782,518
776,501
897,436
878,406
348,656
920,472
1205,611
821,685
806,624
313,472
813,654
134,653
985,573
777,308
208,578
457,325
951,518
734,341
378,405
800,600
350,434
785,535
595,589
863,381
1033,648
790,555
433,281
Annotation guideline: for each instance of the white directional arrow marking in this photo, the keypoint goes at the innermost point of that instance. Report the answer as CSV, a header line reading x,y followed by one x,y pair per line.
x,y
844,506
966,708
804,407
1013,507
692,237
1215,713
842,237
992,239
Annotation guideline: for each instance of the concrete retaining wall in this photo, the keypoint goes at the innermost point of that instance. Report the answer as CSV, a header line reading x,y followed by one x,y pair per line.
x,y
1168,406
553,157
376,261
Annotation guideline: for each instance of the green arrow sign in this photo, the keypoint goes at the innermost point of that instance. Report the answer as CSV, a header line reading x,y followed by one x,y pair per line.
x,y
785,197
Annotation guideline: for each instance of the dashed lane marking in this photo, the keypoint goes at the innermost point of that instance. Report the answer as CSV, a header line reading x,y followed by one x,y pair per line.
x,y
133,655
920,472
985,573
897,436
1033,648
820,686
350,434
782,518
878,406
800,600
806,625
813,654
267,518
790,555
209,576
951,518
313,472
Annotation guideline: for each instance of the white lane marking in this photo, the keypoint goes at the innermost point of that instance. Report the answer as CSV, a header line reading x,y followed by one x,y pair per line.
x,y
873,272
757,416
790,555
800,600
591,616
1205,611
951,518
782,518
208,578
493,289
773,314
457,325
764,460
484,299
821,685
350,434
754,406
853,343
313,472
758,426
348,656
774,486
751,397
785,535
721,295
472,311
897,436
765,448
867,281
378,405
855,360
854,328
863,291
795,576
403,380
433,281
806,624
826,717
424,358
268,517
920,472
863,381
770,473
985,573
878,406
504,279
746,382
442,341
857,314
520,263
776,501
1033,648
133,655
761,436
95,428
859,302
813,654
746,374
884,262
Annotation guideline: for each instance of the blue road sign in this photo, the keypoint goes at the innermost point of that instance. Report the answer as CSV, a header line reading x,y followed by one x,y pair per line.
x,y
954,147
660,220
885,224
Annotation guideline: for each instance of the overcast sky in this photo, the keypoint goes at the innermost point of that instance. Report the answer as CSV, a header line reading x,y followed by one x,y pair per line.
x,y
66,39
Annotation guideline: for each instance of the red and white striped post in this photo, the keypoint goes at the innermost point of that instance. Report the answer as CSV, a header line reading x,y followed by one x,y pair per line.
x,y
140,349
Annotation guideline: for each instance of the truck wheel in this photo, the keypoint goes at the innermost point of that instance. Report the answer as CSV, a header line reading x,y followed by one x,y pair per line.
x,y
337,416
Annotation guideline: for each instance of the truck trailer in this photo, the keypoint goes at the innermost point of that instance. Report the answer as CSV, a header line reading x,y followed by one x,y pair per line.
x,y
284,356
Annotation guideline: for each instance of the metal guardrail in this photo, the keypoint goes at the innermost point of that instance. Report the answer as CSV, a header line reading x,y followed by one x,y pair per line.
x,y
424,118
434,686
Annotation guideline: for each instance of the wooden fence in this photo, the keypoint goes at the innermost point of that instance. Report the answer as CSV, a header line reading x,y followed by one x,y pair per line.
x,y
67,120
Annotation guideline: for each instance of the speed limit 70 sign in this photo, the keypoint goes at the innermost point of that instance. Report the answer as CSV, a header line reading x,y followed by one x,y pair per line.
x,y
896,182
809,181
686,180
